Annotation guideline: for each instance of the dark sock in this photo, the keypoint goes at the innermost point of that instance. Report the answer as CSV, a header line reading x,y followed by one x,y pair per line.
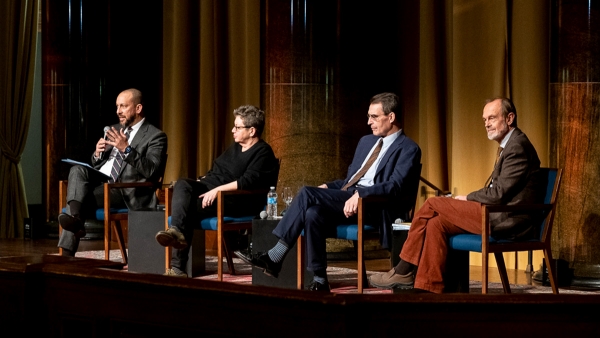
x,y
67,252
320,276
402,268
75,208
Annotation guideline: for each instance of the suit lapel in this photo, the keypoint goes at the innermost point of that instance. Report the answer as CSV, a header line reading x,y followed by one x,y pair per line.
x,y
394,147
139,136
137,139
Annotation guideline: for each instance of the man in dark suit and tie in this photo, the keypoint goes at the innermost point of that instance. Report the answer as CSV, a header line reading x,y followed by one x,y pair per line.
x,y
383,165
514,180
132,151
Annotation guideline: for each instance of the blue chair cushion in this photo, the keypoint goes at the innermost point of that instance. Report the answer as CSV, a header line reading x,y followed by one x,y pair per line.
x,y
472,242
350,231
211,222
100,212
466,242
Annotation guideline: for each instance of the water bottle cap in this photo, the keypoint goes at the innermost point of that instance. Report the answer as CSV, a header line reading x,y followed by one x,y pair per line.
x,y
272,187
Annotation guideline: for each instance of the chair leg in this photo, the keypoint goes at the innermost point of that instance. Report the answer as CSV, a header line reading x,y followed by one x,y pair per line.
x,y
361,268
551,270
107,238
502,271
219,253
300,263
484,272
228,257
121,240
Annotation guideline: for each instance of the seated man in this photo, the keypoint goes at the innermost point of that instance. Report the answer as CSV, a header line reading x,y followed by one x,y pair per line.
x,y
132,151
248,164
381,167
515,180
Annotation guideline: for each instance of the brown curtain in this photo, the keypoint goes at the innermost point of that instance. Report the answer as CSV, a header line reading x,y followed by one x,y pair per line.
x,y
18,35
211,65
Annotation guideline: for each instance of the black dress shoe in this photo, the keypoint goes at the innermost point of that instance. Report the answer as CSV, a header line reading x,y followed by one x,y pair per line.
x,y
261,260
70,223
316,286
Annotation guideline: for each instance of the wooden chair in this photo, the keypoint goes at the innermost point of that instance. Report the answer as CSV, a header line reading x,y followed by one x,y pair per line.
x,y
486,244
112,217
220,223
361,231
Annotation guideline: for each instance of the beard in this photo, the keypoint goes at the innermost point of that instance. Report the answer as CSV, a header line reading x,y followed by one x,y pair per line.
x,y
499,133
128,121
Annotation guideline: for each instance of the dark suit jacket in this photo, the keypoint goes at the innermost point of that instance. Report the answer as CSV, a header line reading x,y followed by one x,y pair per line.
x,y
516,180
145,163
396,177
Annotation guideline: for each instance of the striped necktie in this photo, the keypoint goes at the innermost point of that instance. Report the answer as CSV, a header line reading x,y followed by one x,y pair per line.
x,y
118,162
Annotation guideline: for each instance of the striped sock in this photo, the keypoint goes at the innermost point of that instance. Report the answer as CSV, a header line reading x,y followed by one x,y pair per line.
x,y
320,280
278,252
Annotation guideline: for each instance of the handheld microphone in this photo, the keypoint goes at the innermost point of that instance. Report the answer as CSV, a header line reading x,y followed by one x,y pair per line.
x,y
107,128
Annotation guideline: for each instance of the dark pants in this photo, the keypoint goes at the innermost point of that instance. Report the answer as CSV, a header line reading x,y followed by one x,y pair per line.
x,y
187,212
86,186
317,212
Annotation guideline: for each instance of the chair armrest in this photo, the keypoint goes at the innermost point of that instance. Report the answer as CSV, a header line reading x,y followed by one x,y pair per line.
x,y
374,199
487,209
121,185
243,192
520,207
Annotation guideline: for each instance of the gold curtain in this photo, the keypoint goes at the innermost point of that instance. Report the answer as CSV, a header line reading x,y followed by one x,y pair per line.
x,y
465,52
211,65
18,36
484,48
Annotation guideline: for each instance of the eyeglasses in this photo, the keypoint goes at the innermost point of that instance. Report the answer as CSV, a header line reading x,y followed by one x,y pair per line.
x,y
237,128
374,117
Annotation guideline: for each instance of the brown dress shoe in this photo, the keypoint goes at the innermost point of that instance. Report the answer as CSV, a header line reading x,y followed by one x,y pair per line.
x,y
175,273
171,237
392,280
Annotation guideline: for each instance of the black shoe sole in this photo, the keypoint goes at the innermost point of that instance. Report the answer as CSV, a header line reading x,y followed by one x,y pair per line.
x,y
393,286
271,273
265,270
70,223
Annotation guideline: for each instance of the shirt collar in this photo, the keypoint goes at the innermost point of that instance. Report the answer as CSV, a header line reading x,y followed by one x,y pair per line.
x,y
137,126
505,139
388,140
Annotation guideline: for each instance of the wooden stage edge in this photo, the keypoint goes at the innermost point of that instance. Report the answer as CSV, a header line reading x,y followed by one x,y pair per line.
x,y
55,296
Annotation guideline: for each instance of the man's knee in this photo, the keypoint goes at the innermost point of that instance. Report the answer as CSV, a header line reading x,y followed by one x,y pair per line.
x,y
77,171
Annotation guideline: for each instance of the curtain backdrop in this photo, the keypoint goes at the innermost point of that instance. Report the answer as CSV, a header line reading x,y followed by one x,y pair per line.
x,y
18,35
211,66
471,50
457,54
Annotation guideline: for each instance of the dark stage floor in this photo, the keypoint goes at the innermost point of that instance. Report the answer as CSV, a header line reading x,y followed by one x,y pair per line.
x,y
20,247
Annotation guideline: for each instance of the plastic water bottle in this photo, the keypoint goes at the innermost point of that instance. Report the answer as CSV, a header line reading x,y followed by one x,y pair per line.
x,y
272,203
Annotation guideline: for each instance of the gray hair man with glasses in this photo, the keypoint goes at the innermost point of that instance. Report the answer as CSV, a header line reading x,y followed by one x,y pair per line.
x,y
248,164
383,165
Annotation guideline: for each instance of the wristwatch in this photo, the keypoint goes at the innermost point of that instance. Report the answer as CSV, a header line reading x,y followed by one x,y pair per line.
x,y
127,150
